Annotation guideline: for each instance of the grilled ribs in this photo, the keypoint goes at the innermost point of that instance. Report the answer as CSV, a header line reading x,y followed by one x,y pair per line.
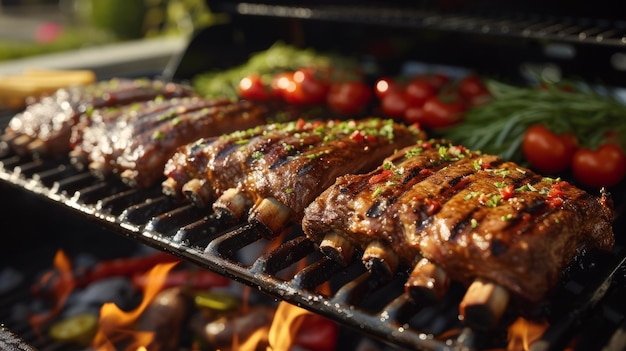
x,y
474,215
288,164
44,127
135,141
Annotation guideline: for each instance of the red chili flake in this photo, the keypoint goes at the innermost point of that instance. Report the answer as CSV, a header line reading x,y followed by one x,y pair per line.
x,y
556,195
432,206
318,124
372,139
341,144
555,191
382,176
427,145
357,136
485,165
507,192
555,201
483,199
300,124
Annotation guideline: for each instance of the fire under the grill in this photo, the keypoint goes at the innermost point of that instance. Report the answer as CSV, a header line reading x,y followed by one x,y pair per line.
x,y
587,305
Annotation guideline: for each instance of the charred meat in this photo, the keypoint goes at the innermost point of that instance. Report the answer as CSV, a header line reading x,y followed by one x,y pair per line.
x,y
44,127
135,141
281,167
473,215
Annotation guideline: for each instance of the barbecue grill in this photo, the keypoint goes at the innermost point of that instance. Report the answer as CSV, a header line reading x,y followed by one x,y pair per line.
x,y
586,311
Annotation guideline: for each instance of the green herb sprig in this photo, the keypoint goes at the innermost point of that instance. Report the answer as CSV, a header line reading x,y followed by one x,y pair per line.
x,y
499,126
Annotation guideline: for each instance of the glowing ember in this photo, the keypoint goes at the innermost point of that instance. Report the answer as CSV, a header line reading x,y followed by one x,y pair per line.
x,y
116,326
63,283
522,333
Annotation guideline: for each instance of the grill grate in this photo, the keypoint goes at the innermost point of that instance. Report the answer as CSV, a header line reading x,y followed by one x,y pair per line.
x,y
295,272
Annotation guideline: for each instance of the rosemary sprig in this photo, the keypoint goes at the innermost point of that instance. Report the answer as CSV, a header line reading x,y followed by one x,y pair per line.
x,y
499,127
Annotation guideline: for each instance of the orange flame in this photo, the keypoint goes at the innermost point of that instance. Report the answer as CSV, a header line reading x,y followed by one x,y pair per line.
x,y
115,325
62,288
287,320
522,333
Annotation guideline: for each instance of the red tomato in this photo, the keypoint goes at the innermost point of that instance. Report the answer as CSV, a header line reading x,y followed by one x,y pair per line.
x,y
414,114
605,166
439,113
349,98
438,80
385,85
282,83
307,89
546,151
394,104
418,91
252,87
473,90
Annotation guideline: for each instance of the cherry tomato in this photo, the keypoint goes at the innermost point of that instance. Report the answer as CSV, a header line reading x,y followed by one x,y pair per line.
x,y
438,80
418,91
385,85
252,87
473,90
414,114
307,89
605,166
394,104
349,98
282,83
548,152
443,112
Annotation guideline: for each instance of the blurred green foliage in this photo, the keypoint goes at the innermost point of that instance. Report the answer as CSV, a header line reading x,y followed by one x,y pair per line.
x,y
106,21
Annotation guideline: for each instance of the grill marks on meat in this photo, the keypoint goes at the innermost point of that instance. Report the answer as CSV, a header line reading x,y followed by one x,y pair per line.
x,y
44,127
281,167
137,140
473,215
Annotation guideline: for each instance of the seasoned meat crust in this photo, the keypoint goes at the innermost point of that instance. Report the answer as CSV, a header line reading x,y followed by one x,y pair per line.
x,y
135,141
291,162
474,215
44,127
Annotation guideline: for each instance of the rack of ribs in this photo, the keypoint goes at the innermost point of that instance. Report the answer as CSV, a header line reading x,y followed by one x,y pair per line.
x,y
274,171
135,141
44,127
449,213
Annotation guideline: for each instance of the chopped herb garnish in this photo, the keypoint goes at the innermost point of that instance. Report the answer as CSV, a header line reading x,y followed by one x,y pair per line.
x,y
478,165
377,191
507,217
471,195
493,201
474,223
158,135
257,155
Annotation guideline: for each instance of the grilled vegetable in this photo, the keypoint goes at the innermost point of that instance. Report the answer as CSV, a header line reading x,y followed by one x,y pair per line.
x,y
78,329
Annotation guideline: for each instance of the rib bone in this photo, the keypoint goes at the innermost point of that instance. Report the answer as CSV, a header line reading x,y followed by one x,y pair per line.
x,y
483,304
